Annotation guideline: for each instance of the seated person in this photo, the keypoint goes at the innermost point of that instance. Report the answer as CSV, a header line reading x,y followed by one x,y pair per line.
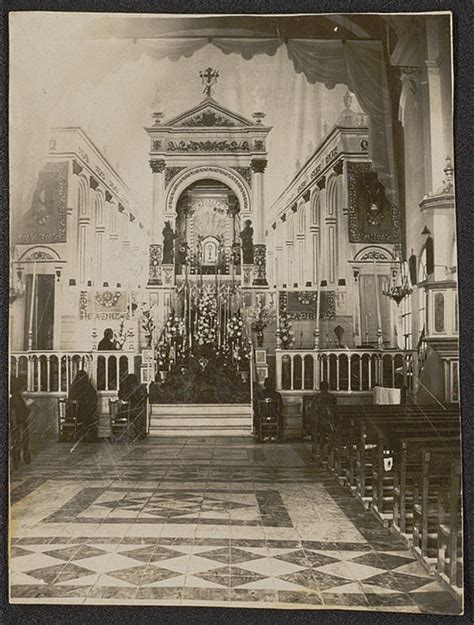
x,y
83,392
325,403
268,392
132,391
107,343
19,412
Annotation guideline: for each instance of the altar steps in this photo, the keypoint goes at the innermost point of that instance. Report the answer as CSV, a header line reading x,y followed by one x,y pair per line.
x,y
200,420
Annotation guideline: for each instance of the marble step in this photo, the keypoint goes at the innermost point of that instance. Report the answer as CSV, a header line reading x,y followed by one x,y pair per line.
x,y
200,420
200,409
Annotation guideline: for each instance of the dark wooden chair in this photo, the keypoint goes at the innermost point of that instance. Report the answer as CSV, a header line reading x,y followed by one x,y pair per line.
x,y
267,420
69,428
120,420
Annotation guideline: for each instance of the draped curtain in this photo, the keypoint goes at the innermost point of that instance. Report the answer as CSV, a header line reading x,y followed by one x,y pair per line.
x,y
358,64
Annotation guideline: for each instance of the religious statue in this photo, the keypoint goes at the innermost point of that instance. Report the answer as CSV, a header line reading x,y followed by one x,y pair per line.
x,y
168,244
247,243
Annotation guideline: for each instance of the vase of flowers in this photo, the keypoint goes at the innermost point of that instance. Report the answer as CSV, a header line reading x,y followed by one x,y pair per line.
x,y
148,322
261,317
122,335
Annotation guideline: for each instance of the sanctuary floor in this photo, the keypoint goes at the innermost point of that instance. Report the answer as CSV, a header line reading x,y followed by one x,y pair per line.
x,y
214,521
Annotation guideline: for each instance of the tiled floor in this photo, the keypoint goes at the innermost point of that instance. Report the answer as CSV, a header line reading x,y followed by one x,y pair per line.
x,y
203,521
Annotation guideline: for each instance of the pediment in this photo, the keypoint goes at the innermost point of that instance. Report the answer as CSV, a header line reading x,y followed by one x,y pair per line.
x,y
209,114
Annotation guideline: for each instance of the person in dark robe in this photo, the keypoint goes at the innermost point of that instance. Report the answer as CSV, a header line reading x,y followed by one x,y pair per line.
x,y
107,343
19,412
324,414
83,392
131,391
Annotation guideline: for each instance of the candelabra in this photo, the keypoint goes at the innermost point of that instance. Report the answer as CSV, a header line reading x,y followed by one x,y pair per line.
x,y
398,286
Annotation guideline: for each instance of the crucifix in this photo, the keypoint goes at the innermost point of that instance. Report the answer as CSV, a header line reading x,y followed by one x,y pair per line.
x,y
209,79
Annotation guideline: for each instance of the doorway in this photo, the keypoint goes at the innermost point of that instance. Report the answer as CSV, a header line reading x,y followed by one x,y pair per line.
x,y
40,317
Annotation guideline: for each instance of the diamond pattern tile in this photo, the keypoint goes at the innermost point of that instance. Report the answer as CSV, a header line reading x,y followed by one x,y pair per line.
x,y
209,521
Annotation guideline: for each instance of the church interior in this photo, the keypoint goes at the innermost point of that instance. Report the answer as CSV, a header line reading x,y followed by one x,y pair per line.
x,y
237,235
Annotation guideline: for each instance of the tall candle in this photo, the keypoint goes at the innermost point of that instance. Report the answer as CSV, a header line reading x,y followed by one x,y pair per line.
x,y
32,307
377,300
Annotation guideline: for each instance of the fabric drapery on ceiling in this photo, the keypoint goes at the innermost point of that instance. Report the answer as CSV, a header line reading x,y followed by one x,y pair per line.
x,y
358,64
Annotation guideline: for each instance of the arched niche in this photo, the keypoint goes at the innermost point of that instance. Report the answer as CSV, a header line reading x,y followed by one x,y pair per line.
x,y
220,174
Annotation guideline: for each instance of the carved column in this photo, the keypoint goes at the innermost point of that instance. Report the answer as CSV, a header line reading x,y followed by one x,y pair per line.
x,y
158,169
259,265
155,257
258,168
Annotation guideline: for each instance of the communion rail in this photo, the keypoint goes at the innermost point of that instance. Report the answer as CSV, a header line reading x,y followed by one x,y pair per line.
x,y
53,371
346,370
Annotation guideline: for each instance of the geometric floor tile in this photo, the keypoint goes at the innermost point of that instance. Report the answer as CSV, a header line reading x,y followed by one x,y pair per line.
x,y
387,562
206,520
349,570
143,575
59,573
397,581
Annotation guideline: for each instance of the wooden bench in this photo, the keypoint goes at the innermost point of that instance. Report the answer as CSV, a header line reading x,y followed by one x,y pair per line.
x,y
433,480
450,557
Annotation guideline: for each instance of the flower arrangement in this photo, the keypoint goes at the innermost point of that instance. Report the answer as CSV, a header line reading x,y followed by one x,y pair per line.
x,y
235,328
285,332
122,335
147,321
205,330
170,345
261,316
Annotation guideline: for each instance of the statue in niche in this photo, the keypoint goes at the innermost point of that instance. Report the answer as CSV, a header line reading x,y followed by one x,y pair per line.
x,y
247,243
168,243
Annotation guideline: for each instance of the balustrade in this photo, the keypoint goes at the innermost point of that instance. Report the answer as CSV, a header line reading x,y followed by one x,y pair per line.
x,y
345,370
53,372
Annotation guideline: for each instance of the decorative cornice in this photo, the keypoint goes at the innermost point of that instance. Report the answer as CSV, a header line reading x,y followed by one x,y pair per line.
x,y
339,167
108,196
307,195
157,165
321,183
93,183
76,168
258,165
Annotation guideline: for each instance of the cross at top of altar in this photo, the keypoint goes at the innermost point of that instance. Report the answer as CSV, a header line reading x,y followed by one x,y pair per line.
x,y
209,80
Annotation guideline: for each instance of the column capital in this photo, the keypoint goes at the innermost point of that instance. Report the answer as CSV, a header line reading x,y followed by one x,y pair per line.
x,y
258,165
321,183
157,165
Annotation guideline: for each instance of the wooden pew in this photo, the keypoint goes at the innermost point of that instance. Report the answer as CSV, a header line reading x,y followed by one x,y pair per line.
x,y
407,467
401,443
450,558
434,478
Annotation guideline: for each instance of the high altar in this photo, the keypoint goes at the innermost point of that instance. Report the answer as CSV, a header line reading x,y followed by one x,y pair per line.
x,y
207,256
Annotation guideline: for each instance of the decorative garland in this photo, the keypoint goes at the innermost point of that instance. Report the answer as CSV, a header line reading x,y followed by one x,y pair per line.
x,y
285,332
108,299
